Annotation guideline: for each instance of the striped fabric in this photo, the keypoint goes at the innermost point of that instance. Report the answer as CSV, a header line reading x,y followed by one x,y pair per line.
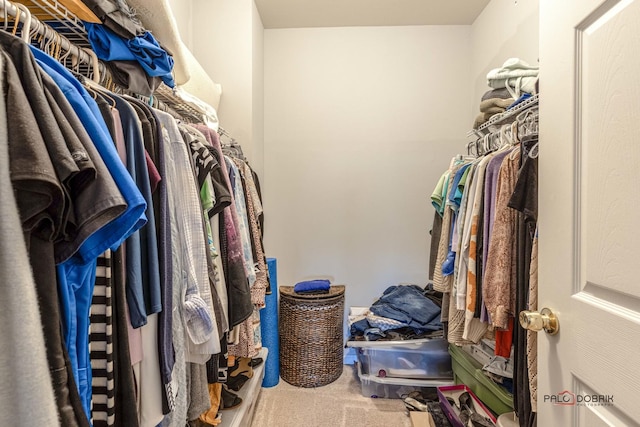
x,y
101,346
202,159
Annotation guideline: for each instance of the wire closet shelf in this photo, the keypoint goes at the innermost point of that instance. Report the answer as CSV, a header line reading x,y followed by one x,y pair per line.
x,y
502,118
52,20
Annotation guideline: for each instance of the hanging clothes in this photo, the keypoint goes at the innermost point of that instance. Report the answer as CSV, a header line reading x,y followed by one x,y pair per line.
x,y
524,200
145,243
489,237
21,320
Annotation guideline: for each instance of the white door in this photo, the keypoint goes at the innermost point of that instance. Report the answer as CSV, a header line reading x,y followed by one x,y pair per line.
x,y
589,219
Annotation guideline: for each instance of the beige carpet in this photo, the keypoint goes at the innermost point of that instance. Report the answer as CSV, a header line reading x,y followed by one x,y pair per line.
x,y
339,404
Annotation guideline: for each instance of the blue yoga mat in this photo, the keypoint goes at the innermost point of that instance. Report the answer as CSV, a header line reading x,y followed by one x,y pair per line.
x,y
269,329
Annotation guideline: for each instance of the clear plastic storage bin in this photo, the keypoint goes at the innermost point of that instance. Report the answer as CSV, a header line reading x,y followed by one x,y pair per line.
x,y
394,388
415,359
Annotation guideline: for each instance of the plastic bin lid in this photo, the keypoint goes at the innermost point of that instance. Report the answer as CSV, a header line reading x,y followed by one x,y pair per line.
x,y
398,343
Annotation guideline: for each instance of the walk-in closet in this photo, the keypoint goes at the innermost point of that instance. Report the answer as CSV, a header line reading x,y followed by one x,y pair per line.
x,y
296,213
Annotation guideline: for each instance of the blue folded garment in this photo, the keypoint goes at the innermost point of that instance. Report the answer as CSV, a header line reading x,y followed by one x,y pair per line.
x,y
409,305
319,285
152,57
144,49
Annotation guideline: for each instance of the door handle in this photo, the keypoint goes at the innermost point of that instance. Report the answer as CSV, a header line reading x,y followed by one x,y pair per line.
x,y
537,321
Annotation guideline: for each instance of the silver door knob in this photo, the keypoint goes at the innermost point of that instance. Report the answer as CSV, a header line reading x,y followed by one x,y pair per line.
x,y
537,321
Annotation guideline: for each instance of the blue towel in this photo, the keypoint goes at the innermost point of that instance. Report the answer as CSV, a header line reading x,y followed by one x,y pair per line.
x,y
144,49
319,285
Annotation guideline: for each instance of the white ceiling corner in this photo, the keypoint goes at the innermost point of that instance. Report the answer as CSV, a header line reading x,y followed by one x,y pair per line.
x,y
348,13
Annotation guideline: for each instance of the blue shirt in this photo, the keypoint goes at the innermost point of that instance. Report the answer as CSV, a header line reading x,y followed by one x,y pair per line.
x,y
117,231
143,270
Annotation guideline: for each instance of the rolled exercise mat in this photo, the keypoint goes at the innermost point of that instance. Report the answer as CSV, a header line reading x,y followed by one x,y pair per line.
x,y
269,329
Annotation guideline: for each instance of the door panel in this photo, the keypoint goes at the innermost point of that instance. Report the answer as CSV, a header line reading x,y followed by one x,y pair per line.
x,y
590,211
609,118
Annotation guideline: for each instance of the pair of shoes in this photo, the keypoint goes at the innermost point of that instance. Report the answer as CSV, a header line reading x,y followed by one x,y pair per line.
x,y
228,400
413,405
240,373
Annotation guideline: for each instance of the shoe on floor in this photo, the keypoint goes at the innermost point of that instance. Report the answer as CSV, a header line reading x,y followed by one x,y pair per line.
x,y
240,373
229,400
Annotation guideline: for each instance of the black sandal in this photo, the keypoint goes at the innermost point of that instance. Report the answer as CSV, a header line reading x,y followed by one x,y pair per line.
x,y
240,373
228,400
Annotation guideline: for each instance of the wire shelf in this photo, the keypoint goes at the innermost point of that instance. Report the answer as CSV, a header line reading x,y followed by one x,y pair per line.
x,y
54,15
165,94
61,19
502,118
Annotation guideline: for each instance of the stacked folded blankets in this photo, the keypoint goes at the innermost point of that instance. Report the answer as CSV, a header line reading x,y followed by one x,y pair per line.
x,y
516,76
493,102
509,82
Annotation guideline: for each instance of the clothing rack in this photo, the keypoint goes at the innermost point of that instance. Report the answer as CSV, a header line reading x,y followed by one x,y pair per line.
x,y
35,27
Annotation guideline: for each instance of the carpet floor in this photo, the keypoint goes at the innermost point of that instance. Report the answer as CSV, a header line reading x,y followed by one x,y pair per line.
x,y
339,404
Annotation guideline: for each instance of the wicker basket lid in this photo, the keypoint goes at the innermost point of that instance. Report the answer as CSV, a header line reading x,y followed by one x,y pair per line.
x,y
334,291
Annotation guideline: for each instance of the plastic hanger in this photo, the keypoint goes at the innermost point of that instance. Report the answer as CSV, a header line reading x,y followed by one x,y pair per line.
x,y
22,12
470,146
15,23
5,27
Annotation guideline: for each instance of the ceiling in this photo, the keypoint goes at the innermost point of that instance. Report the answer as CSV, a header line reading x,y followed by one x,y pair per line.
x,y
348,13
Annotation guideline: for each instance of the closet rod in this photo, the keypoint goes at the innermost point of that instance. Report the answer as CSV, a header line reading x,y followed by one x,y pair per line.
x,y
232,141
31,24
200,111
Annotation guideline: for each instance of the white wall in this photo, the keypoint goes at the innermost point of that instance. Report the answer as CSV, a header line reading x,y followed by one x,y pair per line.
x,y
504,29
359,125
182,11
257,160
223,43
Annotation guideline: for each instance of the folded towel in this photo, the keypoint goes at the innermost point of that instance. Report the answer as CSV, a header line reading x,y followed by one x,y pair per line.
x,y
493,110
319,285
518,64
482,118
496,93
517,85
495,105
515,75
513,67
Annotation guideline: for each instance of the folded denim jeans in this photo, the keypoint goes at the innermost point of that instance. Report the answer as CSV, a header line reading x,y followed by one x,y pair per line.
x,y
408,304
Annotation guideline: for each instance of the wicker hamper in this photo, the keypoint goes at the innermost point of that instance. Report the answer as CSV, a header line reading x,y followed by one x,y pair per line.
x,y
311,336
